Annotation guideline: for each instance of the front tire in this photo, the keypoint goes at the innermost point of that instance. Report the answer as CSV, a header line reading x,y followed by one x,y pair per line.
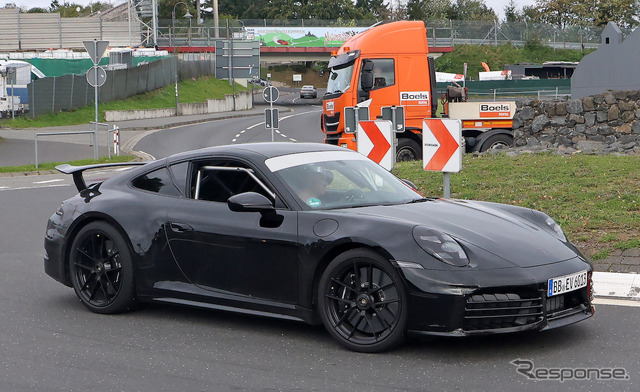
x,y
101,269
408,150
362,302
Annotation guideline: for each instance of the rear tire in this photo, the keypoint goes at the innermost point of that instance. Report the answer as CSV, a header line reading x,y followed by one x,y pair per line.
x,y
496,140
101,270
362,302
408,150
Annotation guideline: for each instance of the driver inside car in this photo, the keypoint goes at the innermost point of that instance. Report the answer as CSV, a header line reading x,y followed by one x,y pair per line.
x,y
314,183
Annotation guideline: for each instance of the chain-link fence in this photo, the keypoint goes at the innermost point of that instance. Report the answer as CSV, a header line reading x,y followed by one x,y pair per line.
x,y
55,94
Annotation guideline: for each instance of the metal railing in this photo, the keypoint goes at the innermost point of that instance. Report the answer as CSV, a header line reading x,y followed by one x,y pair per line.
x,y
95,140
113,136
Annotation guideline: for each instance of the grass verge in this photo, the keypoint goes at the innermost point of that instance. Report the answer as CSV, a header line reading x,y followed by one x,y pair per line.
x,y
596,199
52,165
189,91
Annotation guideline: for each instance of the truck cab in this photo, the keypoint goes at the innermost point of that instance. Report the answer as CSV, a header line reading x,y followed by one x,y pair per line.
x,y
389,65
368,67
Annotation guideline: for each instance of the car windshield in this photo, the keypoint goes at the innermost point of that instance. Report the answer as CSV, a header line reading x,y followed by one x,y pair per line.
x,y
339,79
330,180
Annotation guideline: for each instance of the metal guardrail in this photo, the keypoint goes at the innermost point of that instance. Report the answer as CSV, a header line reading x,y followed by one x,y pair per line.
x,y
95,140
113,136
499,94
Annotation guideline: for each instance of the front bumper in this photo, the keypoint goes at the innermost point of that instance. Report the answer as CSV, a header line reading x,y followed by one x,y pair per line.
x,y
486,305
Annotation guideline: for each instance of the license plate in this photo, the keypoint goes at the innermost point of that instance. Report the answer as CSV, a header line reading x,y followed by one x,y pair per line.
x,y
567,283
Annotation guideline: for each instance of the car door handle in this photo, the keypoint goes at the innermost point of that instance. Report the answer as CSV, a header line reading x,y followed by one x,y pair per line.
x,y
180,227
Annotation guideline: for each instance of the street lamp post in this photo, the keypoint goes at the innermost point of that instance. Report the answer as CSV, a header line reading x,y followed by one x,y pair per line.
x,y
186,15
173,24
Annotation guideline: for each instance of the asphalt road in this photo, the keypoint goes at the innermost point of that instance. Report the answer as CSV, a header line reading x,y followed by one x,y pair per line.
x,y
50,342
301,123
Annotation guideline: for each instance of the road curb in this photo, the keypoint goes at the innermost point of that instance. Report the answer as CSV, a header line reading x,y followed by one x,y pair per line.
x,y
614,285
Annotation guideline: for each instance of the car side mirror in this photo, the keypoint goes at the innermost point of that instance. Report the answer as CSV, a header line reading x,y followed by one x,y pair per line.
x,y
250,202
409,184
366,75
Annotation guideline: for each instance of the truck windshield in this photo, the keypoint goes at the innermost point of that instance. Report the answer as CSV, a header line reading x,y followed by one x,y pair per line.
x,y
339,79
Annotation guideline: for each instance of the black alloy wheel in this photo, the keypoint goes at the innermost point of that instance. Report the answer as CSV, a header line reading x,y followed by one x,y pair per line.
x,y
101,269
362,302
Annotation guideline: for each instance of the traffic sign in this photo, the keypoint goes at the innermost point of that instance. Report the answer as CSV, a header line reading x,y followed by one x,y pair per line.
x,y
395,114
375,141
96,76
271,118
353,115
95,49
270,94
441,145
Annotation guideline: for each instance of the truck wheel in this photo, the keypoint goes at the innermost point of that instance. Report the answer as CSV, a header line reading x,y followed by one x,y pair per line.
x,y
408,150
495,141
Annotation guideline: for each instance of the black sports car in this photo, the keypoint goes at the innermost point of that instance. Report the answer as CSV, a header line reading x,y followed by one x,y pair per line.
x,y
316,233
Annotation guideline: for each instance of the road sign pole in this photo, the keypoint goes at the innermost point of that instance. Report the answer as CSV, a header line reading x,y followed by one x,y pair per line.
x,y
272,123
95,135
447,185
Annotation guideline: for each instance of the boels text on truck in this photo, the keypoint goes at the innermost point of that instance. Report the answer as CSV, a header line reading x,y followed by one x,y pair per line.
x,y
389,64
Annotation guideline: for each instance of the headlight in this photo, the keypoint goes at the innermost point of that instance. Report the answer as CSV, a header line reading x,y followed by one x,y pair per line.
x,y
556,229
553,227
441,246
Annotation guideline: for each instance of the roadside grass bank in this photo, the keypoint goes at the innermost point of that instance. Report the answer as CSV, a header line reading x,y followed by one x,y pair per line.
x,y
595,198
48,166
189,91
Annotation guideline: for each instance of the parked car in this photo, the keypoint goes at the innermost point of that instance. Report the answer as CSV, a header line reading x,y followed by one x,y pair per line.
x,y
316,233
308,92
260,82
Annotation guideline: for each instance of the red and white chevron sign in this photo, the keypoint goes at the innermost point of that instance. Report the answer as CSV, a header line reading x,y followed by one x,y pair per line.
x,y
375,141
441,145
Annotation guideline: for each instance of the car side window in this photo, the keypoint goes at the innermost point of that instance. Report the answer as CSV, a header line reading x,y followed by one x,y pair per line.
x,y
179,171
383,73
158,181
219,180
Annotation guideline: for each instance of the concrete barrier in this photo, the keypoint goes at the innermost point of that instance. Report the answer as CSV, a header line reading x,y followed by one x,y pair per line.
x,y
243,101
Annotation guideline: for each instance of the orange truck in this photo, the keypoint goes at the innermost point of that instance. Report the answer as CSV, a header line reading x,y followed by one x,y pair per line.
x,y
389,65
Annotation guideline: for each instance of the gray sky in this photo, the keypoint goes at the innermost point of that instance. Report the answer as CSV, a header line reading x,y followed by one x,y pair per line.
x,y
497,5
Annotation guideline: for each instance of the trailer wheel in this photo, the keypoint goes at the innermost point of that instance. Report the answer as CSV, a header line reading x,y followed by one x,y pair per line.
x,y
408,150
496,140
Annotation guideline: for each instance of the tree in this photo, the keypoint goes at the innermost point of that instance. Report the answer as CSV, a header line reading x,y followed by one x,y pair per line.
x,y
471,10
428,9
511,13
375,8
565,13
37,10
625,13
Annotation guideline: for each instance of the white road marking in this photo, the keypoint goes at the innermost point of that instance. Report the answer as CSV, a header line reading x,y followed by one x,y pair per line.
x,y
48,181
33,187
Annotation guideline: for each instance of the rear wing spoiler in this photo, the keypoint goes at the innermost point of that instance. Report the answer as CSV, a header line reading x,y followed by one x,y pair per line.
x,y
76,171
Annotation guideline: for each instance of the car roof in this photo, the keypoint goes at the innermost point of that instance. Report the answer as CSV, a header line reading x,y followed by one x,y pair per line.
x,y
267,150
